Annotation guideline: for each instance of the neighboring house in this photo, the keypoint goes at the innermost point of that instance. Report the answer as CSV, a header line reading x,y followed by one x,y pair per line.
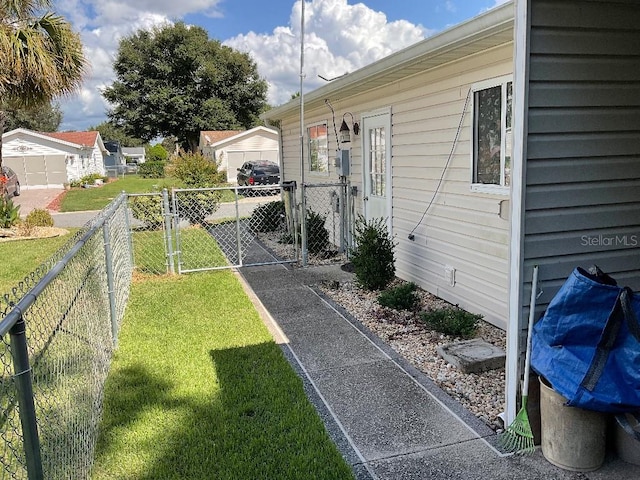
x,y
231,148
49,160
114,161
134,154
545,168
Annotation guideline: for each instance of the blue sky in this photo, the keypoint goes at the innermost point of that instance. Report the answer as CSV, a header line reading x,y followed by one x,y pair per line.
x,y
340,36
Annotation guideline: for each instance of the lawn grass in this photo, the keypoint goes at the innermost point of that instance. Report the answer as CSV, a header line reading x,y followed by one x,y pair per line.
x,y
199,390
80,199
21,257
199,250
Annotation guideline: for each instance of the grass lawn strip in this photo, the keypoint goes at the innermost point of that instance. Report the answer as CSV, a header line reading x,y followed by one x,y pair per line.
x,y
199,390
96,198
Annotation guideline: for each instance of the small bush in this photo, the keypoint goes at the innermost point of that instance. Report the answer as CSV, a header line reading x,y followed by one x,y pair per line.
x,y
452,321
373,257
39,218
148,210
269,217
157,153
196,170
195,206
88,180
402,297
151,169
9,213
317,233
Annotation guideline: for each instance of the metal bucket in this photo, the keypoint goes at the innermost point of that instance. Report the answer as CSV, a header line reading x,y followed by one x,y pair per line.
x,y
572,438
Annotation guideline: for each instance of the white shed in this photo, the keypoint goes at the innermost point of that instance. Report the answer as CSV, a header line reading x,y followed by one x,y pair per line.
x,y
231,148
49,160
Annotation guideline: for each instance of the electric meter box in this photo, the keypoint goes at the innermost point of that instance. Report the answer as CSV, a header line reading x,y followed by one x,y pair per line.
x,y
342,163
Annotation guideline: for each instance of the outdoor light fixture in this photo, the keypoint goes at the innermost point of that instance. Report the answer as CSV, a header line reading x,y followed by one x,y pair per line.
x,y
345,133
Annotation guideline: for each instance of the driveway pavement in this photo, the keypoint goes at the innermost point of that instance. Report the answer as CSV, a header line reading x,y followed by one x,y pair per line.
x,y
35,198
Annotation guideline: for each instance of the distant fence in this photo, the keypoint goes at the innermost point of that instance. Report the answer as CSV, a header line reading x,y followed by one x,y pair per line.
x,y
59,328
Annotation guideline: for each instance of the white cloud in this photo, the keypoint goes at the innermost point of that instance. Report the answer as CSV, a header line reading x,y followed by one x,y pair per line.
x,y
339,38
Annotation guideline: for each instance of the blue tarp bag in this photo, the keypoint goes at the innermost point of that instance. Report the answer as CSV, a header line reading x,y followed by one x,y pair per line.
x,y
587,344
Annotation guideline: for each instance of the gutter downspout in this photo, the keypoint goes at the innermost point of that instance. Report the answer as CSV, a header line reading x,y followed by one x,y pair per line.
x,y
515,325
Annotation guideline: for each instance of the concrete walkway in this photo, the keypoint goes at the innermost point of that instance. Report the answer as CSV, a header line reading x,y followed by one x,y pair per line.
x,y
389,420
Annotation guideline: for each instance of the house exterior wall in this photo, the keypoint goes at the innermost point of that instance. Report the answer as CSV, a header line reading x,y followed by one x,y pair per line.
x,y
462,229
582,202
43,163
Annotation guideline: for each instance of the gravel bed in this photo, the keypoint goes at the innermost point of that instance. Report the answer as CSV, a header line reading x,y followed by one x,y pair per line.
x,y
482,394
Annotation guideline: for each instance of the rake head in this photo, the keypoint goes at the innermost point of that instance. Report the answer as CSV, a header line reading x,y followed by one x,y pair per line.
x,y
518,437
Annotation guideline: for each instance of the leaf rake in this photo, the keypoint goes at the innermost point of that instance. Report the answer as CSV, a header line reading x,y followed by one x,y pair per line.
x,y
518,436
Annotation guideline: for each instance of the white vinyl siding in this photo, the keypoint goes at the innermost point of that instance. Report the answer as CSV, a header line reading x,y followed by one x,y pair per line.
x,y
463,229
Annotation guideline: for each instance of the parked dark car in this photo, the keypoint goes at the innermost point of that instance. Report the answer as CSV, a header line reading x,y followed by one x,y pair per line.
x,y
10,178
258,172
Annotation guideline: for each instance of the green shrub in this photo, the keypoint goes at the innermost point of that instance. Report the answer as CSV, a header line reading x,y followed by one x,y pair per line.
x,y
39,218
148,210
402,297
452,321
373,257
157,153
196,205
88,180
269,217
9,213
317,233
151,169
196,170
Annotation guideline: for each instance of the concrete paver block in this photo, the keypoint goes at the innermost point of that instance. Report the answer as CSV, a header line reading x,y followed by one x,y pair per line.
x,y
473,356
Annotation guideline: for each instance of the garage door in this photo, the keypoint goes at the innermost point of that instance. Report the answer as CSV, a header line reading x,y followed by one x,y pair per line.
x,y
39,171
236,159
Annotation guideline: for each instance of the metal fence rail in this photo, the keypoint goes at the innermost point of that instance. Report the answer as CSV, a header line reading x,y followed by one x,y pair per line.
x,y
59,328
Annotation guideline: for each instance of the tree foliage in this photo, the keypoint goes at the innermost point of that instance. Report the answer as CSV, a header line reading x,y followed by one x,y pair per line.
x,y
43,118
157,153
40,56
110,131
175,81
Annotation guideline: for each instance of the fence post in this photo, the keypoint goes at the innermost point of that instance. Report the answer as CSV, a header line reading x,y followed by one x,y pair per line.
x,y
343,219
108,258
167,229
26,404
238,236
127,222
303,226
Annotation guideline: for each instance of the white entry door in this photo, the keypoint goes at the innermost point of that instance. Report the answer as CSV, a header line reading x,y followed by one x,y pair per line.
x,y
376,150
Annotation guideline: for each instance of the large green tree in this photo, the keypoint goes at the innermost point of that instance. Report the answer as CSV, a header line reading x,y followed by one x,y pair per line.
x,y
175,81
41,57
110,131
43,118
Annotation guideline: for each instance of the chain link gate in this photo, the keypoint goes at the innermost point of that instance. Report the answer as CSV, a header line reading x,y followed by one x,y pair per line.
x,y
326,232
233,226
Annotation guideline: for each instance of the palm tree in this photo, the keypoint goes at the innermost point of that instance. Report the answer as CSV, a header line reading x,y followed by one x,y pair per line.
x,y
41,57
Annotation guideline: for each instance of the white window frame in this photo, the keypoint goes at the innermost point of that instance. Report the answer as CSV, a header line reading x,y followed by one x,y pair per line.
x,y
322,173
496,189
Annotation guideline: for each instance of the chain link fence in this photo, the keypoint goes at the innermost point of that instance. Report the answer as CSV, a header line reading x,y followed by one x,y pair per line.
x,y
232,226
59,328
325,233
